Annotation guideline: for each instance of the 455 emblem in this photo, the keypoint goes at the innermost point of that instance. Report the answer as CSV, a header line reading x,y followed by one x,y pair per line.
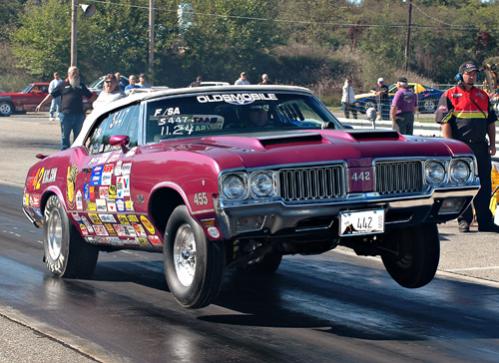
x,y
200,198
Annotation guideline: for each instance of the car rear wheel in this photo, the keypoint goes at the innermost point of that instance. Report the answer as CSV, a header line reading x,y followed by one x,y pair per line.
x,y
412,255
6,108
66,254
194,266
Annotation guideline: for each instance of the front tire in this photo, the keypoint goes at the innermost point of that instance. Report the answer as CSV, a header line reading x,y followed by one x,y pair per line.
x,y
194,266
6,108
66,254
414,255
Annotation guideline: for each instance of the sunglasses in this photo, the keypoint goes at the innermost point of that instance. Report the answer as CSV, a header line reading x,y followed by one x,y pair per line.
x,y
108,81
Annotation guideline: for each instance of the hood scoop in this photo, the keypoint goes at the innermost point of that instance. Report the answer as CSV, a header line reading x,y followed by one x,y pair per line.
x,y
289,138
366,135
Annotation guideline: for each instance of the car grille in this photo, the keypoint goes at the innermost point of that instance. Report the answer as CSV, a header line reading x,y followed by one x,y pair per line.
x,y
312,183
399,177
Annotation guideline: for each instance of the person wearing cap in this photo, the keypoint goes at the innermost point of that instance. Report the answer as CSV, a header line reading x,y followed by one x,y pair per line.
x,y
242,80
465,113
404,105
381,92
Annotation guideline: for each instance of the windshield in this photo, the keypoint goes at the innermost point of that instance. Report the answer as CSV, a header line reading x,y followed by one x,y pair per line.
x,y
26,89
234,113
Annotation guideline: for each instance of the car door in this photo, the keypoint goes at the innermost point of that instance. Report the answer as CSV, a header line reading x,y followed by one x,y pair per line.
x,y
103,194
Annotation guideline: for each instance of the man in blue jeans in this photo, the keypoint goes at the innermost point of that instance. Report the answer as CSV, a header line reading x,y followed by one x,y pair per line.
x,y
72,115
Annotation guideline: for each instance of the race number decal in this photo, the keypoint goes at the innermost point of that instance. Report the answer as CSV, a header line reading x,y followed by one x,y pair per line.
x,y
200,198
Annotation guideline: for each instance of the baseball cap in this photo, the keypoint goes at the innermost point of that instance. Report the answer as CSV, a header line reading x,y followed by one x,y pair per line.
x,y
380,80
402,80
467,67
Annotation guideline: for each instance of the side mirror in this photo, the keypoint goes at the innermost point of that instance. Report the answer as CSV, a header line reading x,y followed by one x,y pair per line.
x,y
120,140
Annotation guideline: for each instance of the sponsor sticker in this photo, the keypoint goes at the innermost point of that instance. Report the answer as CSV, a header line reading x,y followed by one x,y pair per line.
x,y
155,240
94,217
103,192
101,205
107,218
139,230
126,169
37,180
49,176
96,176
123,219
149,226
117,168
129,205
91,206
120,205
123,186
100,230
70,185
110,229
133,218
79,200
111,206
83,229
107,174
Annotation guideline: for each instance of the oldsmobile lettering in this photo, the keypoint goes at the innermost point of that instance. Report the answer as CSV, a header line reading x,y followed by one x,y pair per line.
x,y
237,98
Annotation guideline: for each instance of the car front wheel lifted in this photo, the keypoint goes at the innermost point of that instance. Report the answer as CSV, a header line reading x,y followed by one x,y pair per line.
x,y
411,256
194,266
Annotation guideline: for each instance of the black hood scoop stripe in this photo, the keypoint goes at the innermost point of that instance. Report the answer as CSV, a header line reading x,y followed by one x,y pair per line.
x,y
366,135
289,138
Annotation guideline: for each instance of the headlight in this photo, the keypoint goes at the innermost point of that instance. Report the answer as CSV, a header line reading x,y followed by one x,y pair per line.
x,y
460,171
234,187
262,184
434,172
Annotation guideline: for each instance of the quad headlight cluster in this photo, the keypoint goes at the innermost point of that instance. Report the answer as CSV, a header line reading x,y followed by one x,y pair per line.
x,y
256,185
454,171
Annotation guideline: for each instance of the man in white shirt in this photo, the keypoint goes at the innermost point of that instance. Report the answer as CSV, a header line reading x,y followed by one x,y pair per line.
x,y
242,80
348,99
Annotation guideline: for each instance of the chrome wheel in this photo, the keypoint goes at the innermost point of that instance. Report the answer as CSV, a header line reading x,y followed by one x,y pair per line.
x,y
184,254
5,109
54,235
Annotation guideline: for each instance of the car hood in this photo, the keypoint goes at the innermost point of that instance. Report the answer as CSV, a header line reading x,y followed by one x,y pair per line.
x,y
304,147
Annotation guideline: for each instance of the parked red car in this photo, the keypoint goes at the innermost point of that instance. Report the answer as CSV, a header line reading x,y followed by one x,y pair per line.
x,y
24,101
235,177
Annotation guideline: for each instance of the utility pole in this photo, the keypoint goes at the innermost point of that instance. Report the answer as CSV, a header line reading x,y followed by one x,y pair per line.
x,y
408,38
151,39
74,15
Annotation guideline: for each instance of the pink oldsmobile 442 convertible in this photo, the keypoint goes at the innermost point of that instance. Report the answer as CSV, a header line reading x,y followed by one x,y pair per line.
x,y
227,177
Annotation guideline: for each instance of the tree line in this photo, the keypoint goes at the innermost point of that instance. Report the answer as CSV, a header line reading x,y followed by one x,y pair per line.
x,y
315,43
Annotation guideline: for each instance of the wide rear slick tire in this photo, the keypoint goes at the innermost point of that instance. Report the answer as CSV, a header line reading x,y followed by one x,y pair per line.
x,y
194,266
66,254
414,256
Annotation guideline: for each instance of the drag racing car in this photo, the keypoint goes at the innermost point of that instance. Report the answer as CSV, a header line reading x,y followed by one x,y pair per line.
x,y
427,97
231,178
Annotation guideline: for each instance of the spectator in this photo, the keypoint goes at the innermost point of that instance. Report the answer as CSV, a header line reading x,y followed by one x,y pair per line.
x,y
121,83
404,105
265,79
110,92
348,99
381,92
197,82
242,80
142,81
71,91
464,113
132,83
55,104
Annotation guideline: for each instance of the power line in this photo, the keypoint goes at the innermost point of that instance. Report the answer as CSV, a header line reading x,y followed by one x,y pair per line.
x,y
289,21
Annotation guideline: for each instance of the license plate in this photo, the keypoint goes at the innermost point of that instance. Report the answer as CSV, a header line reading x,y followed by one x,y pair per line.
x,y
362,222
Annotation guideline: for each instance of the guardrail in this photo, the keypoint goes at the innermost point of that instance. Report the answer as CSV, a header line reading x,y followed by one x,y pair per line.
x,y
420,128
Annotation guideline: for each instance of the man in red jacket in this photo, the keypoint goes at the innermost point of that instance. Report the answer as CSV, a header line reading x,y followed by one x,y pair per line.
x,y
465,114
